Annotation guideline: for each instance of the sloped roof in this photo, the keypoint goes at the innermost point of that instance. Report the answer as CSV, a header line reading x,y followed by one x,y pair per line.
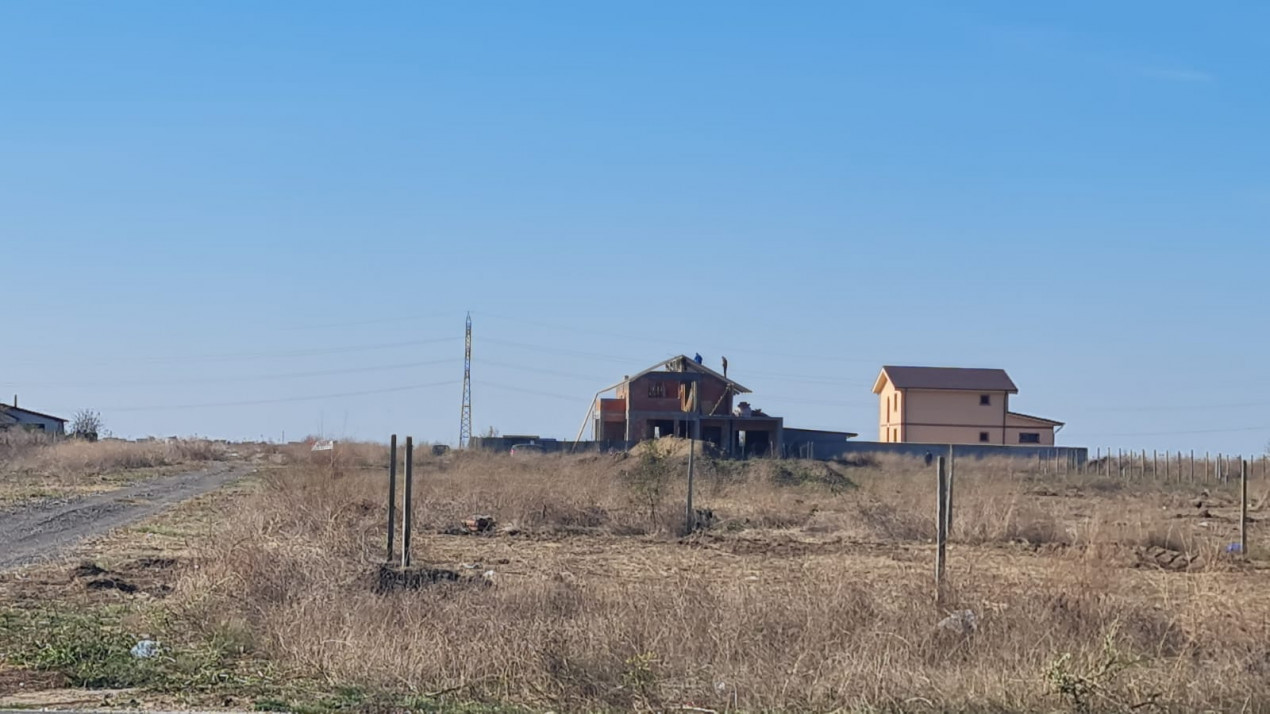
x,y
683,363
959,378
17,412
1040,420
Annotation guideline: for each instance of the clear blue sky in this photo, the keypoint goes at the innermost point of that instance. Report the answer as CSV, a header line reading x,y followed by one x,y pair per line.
x,y
217,218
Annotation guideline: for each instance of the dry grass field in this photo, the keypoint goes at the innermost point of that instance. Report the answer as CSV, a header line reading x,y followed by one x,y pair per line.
x,y
810,590
34,466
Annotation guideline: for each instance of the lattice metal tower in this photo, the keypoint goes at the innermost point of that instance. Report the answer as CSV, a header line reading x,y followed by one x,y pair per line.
x,y
465,416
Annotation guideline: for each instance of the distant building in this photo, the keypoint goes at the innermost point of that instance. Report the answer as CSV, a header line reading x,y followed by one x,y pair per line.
x,y
671,398
13,417
948,405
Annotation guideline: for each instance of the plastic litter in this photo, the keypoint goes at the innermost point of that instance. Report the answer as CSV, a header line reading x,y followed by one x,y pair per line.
x,y
962,622
145,649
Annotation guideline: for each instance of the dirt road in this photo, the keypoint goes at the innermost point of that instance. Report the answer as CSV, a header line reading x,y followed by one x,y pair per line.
x,y
43,530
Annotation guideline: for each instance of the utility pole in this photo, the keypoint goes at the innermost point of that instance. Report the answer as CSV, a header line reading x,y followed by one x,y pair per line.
x,y
465,414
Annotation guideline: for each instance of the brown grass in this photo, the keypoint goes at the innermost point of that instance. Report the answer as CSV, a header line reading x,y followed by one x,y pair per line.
x,y
33,464
811,592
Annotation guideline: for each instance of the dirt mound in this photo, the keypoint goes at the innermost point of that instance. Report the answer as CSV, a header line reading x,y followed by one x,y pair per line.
x,y
1166,559
797,473
675,448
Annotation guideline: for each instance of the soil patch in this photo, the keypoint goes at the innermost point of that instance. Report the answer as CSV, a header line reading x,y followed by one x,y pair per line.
x,y
390,578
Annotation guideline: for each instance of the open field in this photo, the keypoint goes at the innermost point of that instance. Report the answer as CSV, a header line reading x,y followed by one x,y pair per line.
x,y
34,467
810,590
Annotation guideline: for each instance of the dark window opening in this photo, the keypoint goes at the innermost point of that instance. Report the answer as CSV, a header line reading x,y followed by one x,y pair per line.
x,y
656,390
985,400
1029,438
983,436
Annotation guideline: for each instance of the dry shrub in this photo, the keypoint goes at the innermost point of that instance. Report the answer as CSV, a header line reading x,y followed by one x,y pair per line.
x,y
830,631
67,461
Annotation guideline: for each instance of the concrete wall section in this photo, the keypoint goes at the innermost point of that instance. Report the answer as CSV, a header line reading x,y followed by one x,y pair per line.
x,y
1078,454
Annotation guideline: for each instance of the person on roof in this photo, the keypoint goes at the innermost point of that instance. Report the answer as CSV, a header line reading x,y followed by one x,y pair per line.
x,y
698,358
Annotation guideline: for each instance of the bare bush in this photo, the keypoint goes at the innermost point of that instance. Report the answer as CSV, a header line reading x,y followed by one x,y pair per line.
x,y
822,602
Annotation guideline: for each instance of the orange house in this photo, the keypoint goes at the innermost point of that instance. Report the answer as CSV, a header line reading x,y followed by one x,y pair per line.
x,y
952,405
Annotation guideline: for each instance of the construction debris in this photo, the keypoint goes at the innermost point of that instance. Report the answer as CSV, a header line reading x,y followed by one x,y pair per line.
x,y
479,524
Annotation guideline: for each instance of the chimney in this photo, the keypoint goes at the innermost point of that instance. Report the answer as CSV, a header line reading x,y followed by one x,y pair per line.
x,y
15,401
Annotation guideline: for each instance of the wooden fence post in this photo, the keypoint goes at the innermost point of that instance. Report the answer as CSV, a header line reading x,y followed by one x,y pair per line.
x,y
948,499
1243,508
941,527
392,493
407,506
691,519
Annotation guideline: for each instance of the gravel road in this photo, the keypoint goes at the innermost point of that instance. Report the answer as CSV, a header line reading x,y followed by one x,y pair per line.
x,y
45,529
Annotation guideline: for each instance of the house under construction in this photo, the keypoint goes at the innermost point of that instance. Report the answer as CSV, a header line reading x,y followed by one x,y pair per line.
x,y
682,397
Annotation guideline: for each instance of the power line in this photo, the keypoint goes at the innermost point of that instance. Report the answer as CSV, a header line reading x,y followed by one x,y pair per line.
x,y
665,342
539,370
308,352
1196,407
254,402
1196,431
551,395
360,323
251,378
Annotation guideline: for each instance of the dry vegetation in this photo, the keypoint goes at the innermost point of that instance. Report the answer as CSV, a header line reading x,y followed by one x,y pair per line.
x,y
33,465
810,591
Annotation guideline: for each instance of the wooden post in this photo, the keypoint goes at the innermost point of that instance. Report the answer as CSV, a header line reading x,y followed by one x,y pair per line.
x,y
1243,508
1155,464
941,528
407,507
392,494
948,497
690,521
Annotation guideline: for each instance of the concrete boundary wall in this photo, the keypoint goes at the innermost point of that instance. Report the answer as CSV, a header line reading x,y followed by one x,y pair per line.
x,y
550,446
822,449
1074,455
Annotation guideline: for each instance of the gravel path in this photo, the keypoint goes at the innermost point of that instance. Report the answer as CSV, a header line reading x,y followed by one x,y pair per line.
x,y
43,530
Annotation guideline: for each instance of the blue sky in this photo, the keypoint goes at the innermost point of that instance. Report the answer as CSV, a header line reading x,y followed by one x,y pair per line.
x,y
238,219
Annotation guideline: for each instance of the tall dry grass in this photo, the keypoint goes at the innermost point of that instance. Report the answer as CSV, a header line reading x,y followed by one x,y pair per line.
x,y
828,605
29,460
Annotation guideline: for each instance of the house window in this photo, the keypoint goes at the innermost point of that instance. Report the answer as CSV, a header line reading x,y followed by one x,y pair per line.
x,y
897,400
983,436
985,400
656,390
1029,437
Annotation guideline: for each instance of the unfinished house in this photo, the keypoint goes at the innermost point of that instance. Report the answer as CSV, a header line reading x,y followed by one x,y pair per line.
x,y
680,397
